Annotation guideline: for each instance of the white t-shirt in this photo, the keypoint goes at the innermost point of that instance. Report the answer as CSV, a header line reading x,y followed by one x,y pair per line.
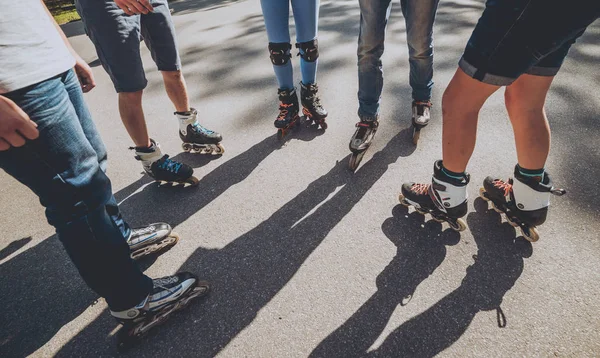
x,y
31,50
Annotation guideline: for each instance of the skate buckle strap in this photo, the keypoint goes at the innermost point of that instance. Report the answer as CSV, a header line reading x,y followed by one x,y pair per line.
x,y
558,192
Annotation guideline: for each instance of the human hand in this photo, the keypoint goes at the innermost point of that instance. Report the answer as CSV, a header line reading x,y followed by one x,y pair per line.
x,y
15,125
85,75
134,7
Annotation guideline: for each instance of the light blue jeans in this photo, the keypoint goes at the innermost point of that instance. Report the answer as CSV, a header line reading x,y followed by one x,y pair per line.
x,y
374,14
306,16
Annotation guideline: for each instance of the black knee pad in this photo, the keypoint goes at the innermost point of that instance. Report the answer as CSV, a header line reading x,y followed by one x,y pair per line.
x,y
310,50
280,52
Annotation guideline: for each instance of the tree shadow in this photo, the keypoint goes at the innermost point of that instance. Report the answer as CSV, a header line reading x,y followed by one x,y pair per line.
x,y
498,264
247,273
421,248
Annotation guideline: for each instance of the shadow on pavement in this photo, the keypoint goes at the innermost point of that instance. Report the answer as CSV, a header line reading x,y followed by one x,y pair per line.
x,y
498,265
251,270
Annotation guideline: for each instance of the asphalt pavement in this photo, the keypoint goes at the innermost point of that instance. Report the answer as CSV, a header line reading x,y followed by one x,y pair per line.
x,y
305,257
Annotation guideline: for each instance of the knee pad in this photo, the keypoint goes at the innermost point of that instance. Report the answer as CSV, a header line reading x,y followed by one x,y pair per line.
x,y
280,52
309,51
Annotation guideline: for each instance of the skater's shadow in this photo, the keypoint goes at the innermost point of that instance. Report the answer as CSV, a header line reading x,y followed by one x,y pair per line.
x,y
183,202
421,248
41,289
247,273
306,131
498,264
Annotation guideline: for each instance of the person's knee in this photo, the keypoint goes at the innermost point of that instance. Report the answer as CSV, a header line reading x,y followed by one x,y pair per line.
x,y
454,105
279,52
309,51
519,103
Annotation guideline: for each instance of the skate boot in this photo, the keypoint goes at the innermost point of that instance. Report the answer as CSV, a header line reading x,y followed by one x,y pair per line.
x,y
361,140
170,294
445,198
288,112
196,138
421,113
150,239
311,104
161,168
524,200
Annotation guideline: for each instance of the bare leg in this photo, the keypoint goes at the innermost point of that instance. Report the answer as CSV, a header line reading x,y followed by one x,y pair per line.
x,y
132,115
176,90
525,100
461,103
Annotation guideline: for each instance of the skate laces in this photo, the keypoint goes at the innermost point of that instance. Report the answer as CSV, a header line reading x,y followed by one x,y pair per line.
x,y
169,165
420,189
283,110
502,185
198,128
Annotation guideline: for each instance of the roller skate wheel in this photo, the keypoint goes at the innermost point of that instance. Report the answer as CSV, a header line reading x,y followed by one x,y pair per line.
x,y
187,147
483,194
323,125
530,234
437,218
219,149
192,181
416,135
420,211
496,208
458,225
511,222
280,134
355,160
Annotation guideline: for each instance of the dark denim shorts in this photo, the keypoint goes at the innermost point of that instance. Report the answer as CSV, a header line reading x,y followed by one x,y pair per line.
x,y
117,38
514,37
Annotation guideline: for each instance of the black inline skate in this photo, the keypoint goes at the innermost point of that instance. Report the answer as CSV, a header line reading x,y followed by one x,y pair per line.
x,y
523,200
361,140
311,105
161,168
288,117
151,239
445,198
196,138
170,294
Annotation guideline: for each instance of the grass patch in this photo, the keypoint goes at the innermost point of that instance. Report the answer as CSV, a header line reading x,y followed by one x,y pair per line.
x,y
63,10
66,16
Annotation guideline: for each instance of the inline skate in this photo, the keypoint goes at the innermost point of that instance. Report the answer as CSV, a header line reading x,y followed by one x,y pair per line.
x,y
311,105
361,140
523,200
445,198
288,117
169,294
161,168
151,239
421,113
196,138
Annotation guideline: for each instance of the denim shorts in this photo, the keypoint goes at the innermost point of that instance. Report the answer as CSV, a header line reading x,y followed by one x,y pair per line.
x,y
514,37
117,38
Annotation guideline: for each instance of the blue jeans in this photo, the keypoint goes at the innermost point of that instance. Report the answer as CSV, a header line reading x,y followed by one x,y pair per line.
x,y
374,14
65,167
277,16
